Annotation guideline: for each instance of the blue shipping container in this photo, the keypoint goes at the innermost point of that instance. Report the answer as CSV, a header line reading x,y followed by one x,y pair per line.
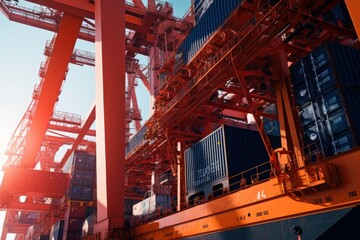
x,y
332,71
83,177
81,193
213,18
136,139
225,153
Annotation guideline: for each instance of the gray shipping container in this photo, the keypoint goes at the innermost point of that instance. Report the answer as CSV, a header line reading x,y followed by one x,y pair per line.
x,y
136,139
222,155
80,160
213,16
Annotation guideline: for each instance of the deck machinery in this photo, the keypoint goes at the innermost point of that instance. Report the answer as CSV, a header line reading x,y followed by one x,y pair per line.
x,y
241,67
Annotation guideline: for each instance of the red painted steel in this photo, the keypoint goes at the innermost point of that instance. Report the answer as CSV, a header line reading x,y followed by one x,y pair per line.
x,y
353,7
27,182
34,207
110,112
84,130
56,69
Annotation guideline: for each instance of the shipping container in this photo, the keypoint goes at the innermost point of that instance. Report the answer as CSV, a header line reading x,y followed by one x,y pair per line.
x,y
75,224
156,203
75,211
80,160
88,226
81,193
56,232
213,18
200,7
330,114
83,177
224,158
73,228
137,139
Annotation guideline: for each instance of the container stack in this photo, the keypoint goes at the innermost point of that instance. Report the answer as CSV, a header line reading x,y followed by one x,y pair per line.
x,y
327,93
229,158
82,177
82,197
74,220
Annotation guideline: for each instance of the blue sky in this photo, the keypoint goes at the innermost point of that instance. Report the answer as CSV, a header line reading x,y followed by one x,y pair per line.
x,y
21,53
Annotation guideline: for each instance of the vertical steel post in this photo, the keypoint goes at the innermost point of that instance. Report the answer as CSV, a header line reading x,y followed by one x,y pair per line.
x,y
288,113
110,116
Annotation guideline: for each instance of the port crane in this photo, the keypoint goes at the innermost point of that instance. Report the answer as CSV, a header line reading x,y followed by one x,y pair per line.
x,y
243,71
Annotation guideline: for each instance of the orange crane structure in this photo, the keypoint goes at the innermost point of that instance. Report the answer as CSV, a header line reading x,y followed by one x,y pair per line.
x,y
242,69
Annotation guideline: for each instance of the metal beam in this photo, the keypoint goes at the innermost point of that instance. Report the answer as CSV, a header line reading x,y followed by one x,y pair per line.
x,y
34,207
54,76
84,130
110,116
21,181
82,8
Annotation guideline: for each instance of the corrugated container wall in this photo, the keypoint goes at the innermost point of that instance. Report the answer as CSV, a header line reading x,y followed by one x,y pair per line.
x,y
211,19
73,228
136,140
224,154
200,7
326,86
157,202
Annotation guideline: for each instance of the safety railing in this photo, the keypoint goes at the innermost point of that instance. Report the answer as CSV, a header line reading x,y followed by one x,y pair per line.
x,y
239,182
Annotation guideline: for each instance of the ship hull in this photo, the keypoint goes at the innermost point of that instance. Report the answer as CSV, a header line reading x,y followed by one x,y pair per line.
x,y
265,211
337,224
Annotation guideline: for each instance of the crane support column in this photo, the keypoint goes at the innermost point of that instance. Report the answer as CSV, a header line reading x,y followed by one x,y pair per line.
x,y
288,114
110,116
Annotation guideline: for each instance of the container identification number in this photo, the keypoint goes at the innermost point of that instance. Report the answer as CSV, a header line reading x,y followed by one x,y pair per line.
x,y
203,175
